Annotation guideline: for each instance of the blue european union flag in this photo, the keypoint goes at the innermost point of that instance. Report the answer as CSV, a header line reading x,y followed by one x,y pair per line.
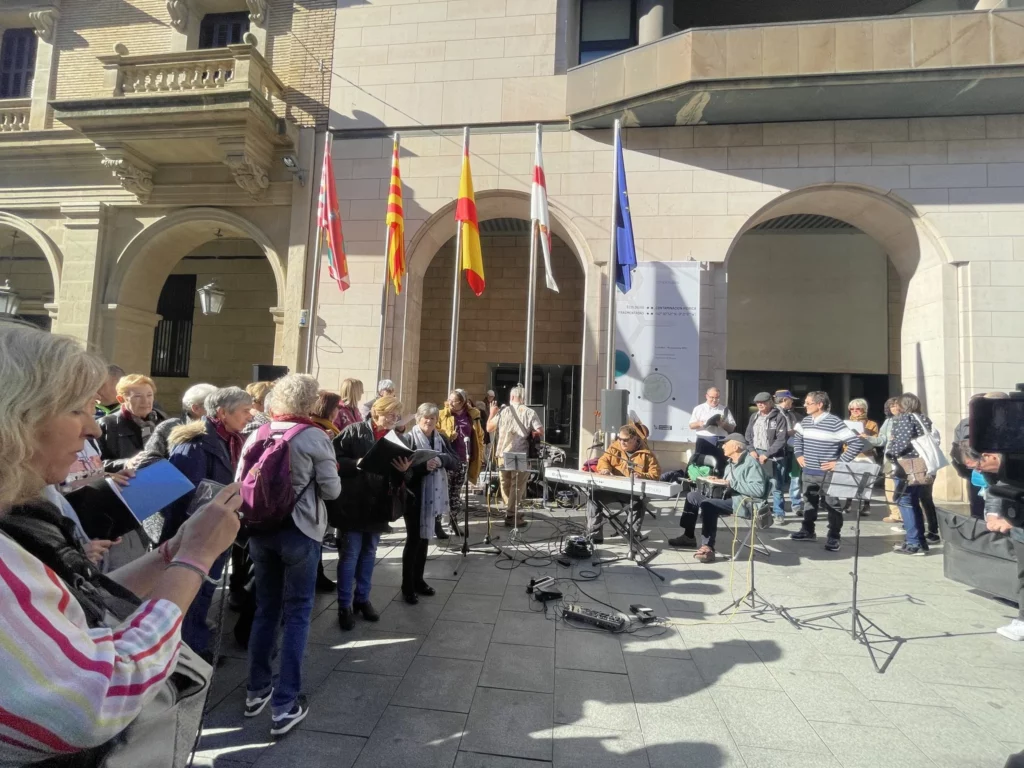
x,y
625,248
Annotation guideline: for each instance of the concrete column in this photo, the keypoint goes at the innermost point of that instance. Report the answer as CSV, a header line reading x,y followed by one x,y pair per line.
x,y
655,18
80,290
128,337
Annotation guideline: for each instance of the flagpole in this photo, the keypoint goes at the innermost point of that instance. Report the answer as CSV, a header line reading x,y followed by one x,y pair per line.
x,y
609,380
315,289
384,292
457,286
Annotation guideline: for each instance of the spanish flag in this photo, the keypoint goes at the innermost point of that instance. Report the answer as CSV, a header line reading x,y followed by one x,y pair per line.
x,y
395,223
465,214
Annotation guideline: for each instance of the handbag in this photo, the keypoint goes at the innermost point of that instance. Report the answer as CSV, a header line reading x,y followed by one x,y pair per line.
x,y
916,471
927,447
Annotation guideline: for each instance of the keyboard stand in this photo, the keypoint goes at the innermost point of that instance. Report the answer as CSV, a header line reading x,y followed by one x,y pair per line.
x,y
627,522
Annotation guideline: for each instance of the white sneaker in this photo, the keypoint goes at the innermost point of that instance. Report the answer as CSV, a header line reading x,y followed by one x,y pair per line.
x,y
898,529
1013,631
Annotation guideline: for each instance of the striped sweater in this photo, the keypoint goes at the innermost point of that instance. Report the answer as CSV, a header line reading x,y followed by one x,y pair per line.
x,y
65,686
820,440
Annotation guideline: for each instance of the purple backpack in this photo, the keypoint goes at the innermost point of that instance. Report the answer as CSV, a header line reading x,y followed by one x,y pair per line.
x,y
267,494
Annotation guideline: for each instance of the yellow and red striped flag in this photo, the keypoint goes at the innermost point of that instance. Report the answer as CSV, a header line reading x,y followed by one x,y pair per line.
x,y
465,214
395,223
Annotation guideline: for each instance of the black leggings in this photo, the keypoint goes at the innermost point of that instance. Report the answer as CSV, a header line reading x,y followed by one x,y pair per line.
x,y
924,498
414,554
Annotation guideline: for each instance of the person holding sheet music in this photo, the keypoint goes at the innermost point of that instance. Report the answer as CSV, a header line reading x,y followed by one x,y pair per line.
x,y
368,503
429,500
868,430
628,455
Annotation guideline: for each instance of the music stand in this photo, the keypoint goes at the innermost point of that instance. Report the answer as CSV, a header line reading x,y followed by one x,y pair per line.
x,y
488,546
854,481
758,603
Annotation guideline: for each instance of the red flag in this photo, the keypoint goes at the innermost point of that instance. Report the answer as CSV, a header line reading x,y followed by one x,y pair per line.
x,y
328,221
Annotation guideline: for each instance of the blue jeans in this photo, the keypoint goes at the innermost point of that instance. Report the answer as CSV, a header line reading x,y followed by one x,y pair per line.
x,y
285,583
908,498
780,481
194,630
356,556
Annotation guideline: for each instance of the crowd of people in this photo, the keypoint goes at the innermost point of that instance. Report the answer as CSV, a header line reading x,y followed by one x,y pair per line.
x,y
105,629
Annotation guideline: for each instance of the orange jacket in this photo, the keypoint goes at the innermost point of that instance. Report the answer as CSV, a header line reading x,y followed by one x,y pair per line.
x,y
614,461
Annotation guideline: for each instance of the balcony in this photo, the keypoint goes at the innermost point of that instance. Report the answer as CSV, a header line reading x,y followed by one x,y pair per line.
x,y
14,114
222,105
968,63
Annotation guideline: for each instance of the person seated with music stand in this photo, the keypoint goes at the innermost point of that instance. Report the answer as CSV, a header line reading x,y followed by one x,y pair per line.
x,y
628,455
744,477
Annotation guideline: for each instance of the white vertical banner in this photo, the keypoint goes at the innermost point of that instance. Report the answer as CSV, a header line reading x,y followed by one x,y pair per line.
x,y
657,349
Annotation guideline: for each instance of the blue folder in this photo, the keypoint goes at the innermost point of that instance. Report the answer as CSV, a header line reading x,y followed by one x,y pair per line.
x,y
152,489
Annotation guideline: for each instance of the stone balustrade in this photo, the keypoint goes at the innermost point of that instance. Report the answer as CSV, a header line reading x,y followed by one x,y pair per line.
x,y
14,114
235,68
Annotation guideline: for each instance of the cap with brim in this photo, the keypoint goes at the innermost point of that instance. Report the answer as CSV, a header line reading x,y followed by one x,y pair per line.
x,y
762,397
735,436
782,394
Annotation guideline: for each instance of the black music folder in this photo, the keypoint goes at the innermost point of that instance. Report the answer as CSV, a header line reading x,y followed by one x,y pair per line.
x,y
387,449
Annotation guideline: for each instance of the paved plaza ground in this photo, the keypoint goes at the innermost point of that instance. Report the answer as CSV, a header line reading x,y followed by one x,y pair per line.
x,y
479,677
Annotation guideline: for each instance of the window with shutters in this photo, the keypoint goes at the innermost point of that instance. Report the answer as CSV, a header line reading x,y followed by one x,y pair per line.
x,y
17,63
172,339
218,30
606,27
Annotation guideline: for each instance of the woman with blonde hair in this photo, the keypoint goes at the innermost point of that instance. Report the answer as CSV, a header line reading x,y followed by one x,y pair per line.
x,y
258,391
82,655
362,513
351,391
858,410
459,422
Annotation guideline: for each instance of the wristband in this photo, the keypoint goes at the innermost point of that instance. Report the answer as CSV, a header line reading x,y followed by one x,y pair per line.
x,y
191,565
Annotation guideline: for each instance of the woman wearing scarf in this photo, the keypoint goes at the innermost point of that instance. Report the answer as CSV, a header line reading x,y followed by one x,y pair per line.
x,y
459,422
123,433
351,392
208,449
429,488
364,509
324,412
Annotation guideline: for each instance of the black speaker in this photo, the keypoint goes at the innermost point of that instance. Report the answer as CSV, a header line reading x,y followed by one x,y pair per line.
x,y
614,409
262,372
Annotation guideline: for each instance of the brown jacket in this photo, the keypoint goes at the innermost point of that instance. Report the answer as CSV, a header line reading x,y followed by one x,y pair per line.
x,y
446,425
614,461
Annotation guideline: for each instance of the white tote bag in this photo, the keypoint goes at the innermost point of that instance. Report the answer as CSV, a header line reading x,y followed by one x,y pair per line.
x,y
928,448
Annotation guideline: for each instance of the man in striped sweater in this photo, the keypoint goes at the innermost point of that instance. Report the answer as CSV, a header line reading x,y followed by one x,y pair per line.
x,y
819,442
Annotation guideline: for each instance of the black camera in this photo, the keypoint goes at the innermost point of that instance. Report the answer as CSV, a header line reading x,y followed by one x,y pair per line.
x,y
997,426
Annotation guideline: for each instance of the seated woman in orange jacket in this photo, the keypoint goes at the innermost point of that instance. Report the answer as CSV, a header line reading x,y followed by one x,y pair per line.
x,y
629,454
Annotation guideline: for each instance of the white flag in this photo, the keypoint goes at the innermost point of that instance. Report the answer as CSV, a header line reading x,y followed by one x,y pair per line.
x,y
539,214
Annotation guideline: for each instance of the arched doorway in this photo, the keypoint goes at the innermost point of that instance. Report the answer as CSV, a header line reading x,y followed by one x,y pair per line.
x,y
919,344
29,262
153,321
492,328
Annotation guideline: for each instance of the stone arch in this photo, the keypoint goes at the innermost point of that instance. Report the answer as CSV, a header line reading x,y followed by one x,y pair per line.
x,y
929,331
53,256
149,257
401,353
142,268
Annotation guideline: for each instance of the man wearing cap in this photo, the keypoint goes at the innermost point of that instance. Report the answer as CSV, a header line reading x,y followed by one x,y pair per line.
x,y
767,433
745,476
784,402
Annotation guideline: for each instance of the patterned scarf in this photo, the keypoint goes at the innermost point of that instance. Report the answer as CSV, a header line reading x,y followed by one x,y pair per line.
x,y
145,425
434,493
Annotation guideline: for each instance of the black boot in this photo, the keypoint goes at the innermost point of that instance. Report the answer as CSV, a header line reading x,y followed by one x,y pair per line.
x,y
324,585
368,611
439,530
346,619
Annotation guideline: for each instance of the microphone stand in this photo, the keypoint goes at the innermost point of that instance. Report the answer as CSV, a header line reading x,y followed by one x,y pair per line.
x,y
490,548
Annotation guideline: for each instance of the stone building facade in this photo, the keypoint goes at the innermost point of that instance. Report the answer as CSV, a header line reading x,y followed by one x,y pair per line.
x,y
725,130
145,132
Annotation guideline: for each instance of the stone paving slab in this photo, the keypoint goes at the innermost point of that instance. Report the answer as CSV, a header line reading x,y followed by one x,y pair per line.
x,y
482,676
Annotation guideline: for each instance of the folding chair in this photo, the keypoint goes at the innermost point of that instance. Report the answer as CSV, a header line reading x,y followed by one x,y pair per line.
x,y
761,517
